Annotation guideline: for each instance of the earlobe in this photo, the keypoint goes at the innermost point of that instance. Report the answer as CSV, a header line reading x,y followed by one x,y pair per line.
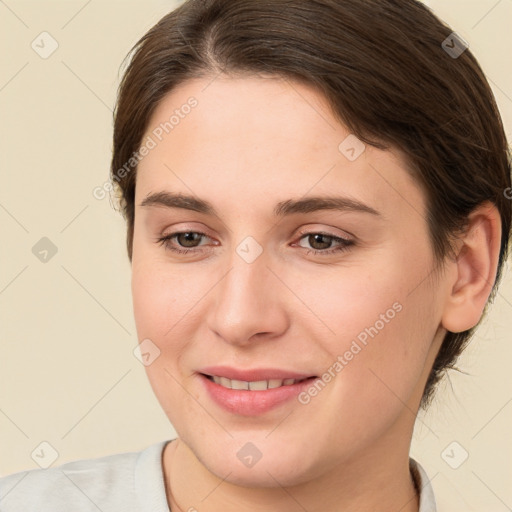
x,y
476,268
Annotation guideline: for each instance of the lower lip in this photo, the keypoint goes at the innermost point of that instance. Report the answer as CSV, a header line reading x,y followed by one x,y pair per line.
x,y
252,403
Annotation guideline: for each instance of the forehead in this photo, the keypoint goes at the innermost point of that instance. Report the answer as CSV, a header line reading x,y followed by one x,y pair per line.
x,y
258,139
268,112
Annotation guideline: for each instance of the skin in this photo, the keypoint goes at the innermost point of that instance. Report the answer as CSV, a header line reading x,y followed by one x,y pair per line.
x,y
250,143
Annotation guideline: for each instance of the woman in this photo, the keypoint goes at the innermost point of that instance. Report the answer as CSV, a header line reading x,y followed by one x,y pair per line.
x,y
316,221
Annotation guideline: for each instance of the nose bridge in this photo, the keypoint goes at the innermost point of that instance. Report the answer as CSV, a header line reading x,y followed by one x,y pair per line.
x,y
246,301
246,286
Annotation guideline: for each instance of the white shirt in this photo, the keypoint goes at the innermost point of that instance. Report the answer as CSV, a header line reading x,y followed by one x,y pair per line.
x,y
125,482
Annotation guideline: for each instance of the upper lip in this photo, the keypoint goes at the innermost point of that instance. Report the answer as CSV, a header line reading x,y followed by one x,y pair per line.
x,y
255,374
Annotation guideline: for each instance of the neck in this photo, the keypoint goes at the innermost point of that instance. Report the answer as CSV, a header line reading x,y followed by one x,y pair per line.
x,y
376,481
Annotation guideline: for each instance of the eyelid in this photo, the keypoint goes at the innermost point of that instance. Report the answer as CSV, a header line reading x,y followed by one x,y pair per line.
x,y
173,230
345,235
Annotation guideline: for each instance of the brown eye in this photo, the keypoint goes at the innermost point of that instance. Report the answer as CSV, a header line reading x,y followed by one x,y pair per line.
x,y
186,239
321,243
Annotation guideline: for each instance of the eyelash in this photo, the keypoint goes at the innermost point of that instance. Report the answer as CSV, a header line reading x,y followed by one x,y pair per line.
x,y
346,244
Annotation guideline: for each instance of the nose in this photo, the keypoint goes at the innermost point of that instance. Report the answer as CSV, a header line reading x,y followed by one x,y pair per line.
x,y
248,301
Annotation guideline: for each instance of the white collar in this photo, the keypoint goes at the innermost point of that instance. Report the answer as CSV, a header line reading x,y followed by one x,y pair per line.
x,y
427,498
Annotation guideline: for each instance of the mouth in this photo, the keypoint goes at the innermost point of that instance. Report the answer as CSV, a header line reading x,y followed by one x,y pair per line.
x,y
259,392
255,385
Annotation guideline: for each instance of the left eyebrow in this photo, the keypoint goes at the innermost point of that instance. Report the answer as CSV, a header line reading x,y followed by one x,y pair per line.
x,y
315,203
282,209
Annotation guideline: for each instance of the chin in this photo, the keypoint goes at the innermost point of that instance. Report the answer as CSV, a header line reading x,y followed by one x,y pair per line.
x,y
253,459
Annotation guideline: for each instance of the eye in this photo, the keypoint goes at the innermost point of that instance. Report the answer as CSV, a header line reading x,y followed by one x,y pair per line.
x,y
321,240
182,237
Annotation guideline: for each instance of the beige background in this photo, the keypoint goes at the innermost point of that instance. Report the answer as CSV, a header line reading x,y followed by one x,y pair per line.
x,y
68,375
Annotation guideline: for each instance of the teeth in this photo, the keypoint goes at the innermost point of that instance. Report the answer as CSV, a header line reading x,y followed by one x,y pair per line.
x,y
239,384
258,385
274,383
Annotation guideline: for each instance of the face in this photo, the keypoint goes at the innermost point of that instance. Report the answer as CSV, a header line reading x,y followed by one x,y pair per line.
x,y
270,285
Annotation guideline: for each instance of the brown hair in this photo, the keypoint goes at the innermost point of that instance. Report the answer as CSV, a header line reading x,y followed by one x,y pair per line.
x,y
381,66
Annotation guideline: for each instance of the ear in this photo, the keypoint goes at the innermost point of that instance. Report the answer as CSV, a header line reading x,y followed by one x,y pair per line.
x,y
476,269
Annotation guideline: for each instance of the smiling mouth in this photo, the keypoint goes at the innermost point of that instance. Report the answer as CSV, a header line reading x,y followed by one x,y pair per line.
x,y
258,385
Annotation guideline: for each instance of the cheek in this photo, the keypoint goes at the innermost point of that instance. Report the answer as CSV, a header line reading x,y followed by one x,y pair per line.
x,y
380,331
163,298
352,303
167,311
163,311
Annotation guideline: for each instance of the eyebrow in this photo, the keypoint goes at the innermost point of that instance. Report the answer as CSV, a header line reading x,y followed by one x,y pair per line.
x,y
283,208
